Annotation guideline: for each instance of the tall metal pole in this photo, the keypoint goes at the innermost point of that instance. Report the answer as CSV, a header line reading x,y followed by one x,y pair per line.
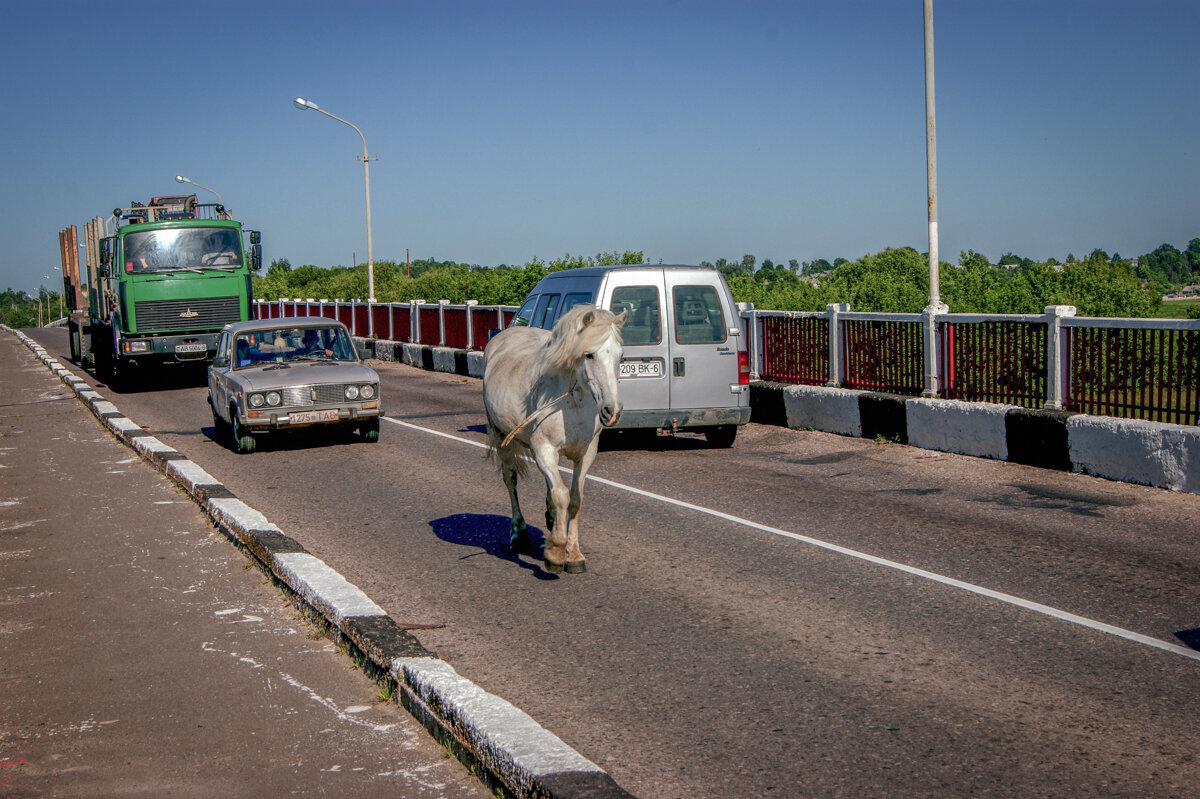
x,y
936,306
302,104
935,299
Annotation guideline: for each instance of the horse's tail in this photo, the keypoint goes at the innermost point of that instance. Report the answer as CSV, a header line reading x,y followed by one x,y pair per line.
x,y
514,455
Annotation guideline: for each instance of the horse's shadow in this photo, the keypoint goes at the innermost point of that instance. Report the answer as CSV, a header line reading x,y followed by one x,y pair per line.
x,y
489,533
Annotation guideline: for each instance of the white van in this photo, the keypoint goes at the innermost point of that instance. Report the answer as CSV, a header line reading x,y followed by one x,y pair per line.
x,y
685,364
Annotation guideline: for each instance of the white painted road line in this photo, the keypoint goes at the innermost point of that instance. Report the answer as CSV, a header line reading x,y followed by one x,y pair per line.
x,y
1017,601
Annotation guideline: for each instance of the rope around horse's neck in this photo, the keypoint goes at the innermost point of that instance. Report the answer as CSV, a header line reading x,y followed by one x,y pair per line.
x,y
531,417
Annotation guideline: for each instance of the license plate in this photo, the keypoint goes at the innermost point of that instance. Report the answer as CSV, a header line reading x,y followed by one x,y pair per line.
x,y
309,417
190,348
640,369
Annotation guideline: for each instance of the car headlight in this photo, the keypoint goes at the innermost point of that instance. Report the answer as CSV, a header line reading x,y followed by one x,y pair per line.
x,y
256,400
273,398
351,392
366,392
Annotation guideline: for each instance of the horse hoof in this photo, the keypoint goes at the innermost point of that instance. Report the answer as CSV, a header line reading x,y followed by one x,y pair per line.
x,y
553,568
576,567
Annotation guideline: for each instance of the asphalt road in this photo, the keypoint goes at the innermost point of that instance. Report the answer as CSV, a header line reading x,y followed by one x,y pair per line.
x,y
800,615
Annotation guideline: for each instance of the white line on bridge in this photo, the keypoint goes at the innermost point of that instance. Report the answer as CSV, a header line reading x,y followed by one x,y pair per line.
x,y
1036,607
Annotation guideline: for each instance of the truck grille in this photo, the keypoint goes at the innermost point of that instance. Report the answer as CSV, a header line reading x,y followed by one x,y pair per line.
x,y
206,312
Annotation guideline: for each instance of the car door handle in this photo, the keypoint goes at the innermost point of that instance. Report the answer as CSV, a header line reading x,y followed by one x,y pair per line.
x,y
678,366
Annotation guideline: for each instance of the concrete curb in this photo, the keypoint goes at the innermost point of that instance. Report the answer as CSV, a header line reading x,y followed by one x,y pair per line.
x,y
486,732
1126,450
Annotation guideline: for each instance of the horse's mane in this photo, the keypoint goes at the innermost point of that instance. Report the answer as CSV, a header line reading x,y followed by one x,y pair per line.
x,y
578,330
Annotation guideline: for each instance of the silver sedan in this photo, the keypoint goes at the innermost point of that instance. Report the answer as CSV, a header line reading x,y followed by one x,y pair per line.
x,y
283,374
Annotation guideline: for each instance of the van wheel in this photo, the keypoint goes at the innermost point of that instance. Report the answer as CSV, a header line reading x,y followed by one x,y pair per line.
x,y
721,436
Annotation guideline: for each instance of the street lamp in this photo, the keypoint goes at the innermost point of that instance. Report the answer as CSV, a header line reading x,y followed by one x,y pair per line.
x,y
305,105
47,277
182,179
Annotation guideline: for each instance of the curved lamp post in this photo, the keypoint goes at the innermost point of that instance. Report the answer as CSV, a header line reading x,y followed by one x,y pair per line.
x,y
305,105
182,179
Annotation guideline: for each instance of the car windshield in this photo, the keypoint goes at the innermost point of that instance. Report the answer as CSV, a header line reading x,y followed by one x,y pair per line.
x,y
292,344
181,248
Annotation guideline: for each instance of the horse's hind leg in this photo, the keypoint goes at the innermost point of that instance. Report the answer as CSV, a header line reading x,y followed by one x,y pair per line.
x,y
518,531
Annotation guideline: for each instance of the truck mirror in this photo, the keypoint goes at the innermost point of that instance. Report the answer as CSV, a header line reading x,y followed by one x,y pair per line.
x,y
255,236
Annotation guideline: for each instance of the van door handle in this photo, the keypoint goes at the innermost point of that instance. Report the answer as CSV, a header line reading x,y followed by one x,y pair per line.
x,y
678,364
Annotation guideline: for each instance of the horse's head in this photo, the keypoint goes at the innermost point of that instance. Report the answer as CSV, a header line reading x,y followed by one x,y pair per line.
x,y
587,342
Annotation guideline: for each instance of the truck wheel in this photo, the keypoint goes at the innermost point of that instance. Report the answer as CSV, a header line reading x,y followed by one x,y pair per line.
x,y
76,344
721,436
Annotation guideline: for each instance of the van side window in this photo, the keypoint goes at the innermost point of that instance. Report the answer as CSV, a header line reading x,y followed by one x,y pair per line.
x,y
642,325
573,299
698,317
545,313
524,313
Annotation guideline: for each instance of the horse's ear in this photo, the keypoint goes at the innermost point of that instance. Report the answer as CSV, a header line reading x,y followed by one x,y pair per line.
x,y
586,320
619,319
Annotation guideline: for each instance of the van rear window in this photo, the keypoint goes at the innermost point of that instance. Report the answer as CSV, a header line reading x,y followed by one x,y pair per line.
x,y
642,325
698,317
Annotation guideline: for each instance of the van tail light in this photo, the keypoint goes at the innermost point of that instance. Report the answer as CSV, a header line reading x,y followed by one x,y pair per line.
x,y
743,368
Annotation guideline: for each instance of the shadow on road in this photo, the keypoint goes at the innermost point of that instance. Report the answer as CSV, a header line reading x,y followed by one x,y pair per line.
x,y
489,532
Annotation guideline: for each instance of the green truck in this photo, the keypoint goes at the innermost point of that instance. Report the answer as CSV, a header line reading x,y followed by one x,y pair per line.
x,y
162,279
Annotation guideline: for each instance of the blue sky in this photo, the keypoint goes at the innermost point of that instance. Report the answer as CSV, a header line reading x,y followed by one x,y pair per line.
x,y
689,130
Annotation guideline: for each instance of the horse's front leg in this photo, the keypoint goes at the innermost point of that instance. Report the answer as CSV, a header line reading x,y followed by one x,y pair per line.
x,y
576,563
557,499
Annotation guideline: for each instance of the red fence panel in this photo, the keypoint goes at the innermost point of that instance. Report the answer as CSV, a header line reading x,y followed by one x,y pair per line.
x,y
431,327
1141,373
994,361
796,349
401,323
456,328
883,356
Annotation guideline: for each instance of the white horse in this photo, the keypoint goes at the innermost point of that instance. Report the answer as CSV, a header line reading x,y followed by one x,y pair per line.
x,y
548,394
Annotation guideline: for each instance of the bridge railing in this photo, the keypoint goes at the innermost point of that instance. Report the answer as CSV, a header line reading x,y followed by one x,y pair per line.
x,y
1132,368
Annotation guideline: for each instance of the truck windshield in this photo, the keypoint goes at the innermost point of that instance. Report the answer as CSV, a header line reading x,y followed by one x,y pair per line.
x,y
186,248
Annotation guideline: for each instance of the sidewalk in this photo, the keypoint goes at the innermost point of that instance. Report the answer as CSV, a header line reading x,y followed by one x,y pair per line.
x,y
142,655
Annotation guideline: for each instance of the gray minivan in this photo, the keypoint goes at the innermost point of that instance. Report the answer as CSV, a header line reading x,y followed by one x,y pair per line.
x,y
685,364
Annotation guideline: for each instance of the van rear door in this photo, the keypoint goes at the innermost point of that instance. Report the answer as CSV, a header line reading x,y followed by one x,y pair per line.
x,y
645,382
703,358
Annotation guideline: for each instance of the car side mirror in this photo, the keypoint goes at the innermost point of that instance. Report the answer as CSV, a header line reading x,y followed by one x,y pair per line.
x,y
363,351
220,363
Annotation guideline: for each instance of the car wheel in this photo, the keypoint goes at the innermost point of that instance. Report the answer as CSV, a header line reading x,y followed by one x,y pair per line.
x,y
721,436
243,442
370,430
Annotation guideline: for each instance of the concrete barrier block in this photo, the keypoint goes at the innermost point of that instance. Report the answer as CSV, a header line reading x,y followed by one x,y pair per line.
x,y
411,354
1038,438
884,416
830,410
475,364
1134,451
968,428
443,359
385,350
